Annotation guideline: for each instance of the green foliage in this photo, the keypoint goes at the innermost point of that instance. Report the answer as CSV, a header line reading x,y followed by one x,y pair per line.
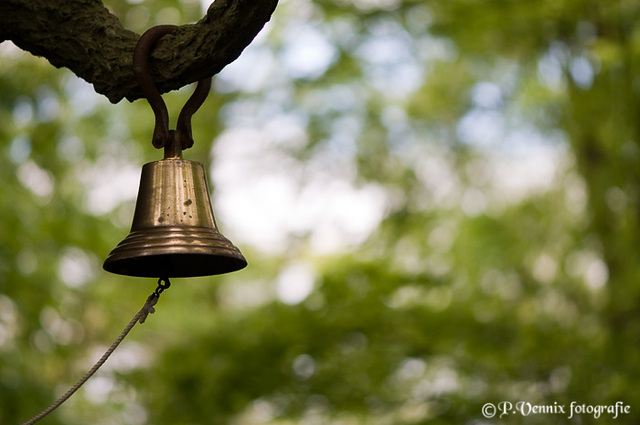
x,y
499,141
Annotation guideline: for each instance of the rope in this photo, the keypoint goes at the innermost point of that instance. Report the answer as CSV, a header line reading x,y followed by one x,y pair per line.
x,y
140,317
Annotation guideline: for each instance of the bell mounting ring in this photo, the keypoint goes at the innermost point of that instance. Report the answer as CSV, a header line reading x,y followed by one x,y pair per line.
x,y
162,136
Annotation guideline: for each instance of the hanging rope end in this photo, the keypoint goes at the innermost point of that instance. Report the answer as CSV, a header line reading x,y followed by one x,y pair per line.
x,y
140,317
148,307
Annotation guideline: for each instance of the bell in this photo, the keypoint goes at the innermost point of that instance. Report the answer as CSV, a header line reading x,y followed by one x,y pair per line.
x,y
174,232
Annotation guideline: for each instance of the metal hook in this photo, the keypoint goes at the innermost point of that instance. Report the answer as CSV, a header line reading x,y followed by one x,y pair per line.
x,y
161,287
161,133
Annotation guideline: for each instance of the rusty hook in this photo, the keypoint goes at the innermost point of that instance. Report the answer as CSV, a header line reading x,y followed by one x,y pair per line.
x,y
161,133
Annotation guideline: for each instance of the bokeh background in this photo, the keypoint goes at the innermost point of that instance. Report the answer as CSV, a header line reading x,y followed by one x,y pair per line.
x,y
439,203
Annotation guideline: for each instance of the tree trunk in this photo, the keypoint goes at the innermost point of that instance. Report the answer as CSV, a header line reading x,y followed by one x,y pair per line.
x,y
85,37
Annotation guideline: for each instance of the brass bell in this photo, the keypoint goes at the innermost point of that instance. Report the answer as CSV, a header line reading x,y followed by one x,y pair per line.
x,y
174,232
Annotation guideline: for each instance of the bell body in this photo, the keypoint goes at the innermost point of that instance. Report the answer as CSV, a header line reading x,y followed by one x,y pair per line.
x,y
174,232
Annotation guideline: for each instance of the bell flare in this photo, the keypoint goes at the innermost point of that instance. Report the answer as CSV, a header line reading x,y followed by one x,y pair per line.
x,y
175,252
174,232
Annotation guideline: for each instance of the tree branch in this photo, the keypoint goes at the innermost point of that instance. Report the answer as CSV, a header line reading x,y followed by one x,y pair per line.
x,y
85,37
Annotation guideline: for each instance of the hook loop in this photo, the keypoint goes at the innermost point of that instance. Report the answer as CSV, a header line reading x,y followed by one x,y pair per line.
x,y
161,287
161,134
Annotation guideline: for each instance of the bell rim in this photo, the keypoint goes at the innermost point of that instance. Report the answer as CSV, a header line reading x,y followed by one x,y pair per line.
x,y
148,265
174,252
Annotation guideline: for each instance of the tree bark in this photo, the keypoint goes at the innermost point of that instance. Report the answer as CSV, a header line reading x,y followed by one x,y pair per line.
x,y
85,37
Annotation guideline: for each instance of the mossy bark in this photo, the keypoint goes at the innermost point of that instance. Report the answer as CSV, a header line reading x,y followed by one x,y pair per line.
x,y
85,37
